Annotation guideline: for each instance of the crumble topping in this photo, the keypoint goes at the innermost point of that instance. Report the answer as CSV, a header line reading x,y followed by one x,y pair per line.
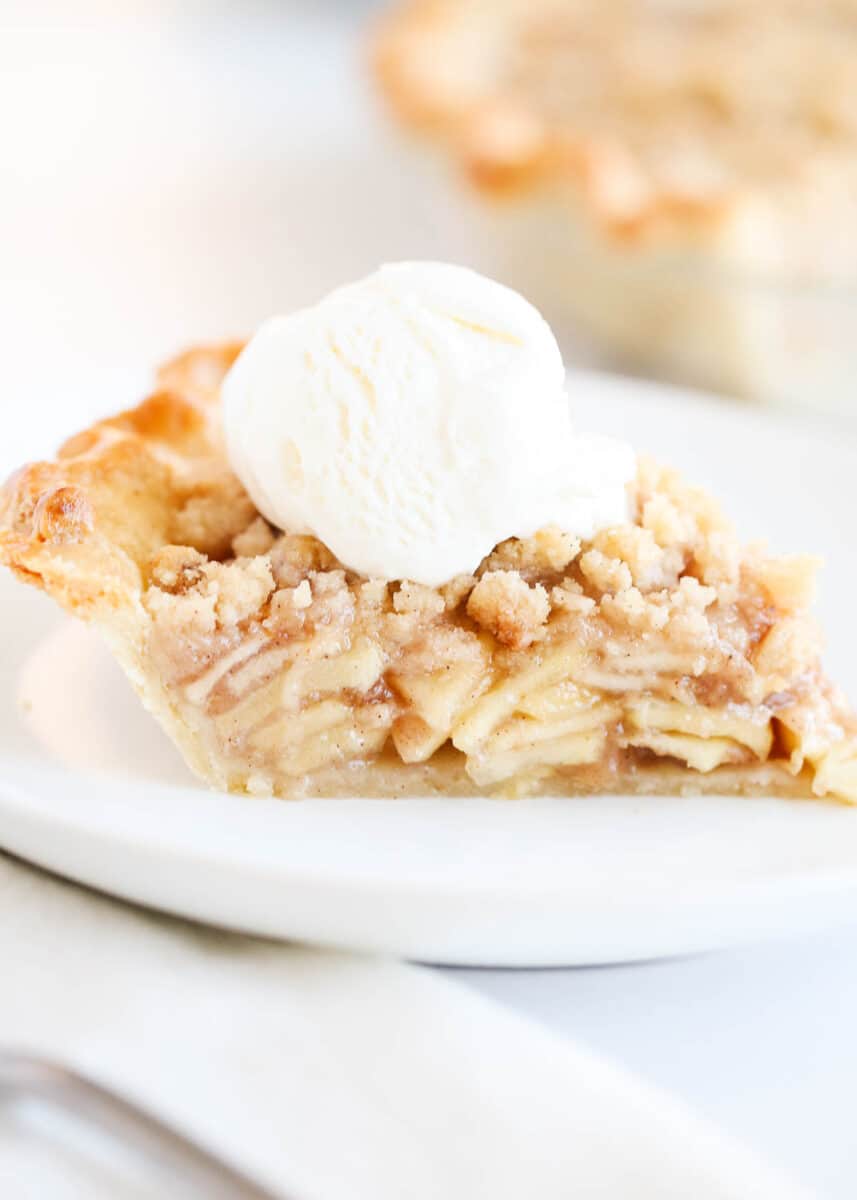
x,y
551,549
258,538
676,573
236,589
295,556
417,598
605,574
509,608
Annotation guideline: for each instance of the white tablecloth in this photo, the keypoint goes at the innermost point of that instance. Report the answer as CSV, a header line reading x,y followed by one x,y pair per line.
x,y
327,1076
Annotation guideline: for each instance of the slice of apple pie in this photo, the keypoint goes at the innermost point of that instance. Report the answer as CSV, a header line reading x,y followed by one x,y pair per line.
x,y
658,656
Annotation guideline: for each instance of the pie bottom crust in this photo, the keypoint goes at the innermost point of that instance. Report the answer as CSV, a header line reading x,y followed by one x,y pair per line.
x,y
660,657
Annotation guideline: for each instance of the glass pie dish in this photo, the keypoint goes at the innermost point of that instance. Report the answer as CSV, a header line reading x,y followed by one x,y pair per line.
x,y
785,342
673,185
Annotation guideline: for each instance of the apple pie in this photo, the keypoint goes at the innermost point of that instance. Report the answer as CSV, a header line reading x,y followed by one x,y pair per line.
x,y
660,656
679,181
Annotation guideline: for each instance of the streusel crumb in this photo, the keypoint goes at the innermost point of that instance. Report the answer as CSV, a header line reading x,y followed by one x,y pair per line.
x,y
551,549
651,565
216,511
295,555
512,610
176,568
457,590
604,572
258,538
236,589
416,598
288,610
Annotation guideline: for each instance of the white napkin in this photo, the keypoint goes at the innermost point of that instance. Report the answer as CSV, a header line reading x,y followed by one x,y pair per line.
x,y
328,1076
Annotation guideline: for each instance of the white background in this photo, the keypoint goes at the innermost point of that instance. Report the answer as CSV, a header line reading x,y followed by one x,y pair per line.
x,y
176,173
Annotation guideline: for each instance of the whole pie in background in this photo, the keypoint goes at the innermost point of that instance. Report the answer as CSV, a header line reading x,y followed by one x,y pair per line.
x,y
659,656
675,179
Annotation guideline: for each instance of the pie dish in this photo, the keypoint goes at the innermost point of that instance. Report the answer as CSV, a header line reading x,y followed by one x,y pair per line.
x,y
661,656
678,182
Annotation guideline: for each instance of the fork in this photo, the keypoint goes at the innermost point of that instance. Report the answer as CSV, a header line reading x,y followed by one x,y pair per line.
x,y
29,1077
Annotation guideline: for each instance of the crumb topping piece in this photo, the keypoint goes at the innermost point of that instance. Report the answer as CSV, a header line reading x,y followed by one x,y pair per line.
x,y
509,608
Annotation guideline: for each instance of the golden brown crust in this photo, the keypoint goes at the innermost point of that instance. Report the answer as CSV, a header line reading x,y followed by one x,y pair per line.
x,y
86,526
658,127
503,145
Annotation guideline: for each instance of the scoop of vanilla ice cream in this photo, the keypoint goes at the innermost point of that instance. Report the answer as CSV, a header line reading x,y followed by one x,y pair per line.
x,y
413,420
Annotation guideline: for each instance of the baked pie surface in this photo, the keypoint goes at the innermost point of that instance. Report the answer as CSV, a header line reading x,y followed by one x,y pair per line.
x,y
662,656
725,123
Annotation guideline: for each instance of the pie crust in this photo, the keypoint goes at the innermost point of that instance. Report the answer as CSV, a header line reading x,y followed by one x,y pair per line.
x,y
662,117
662,656
657,175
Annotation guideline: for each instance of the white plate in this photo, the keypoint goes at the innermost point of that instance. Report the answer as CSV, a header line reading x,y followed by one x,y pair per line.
x,y
91,789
